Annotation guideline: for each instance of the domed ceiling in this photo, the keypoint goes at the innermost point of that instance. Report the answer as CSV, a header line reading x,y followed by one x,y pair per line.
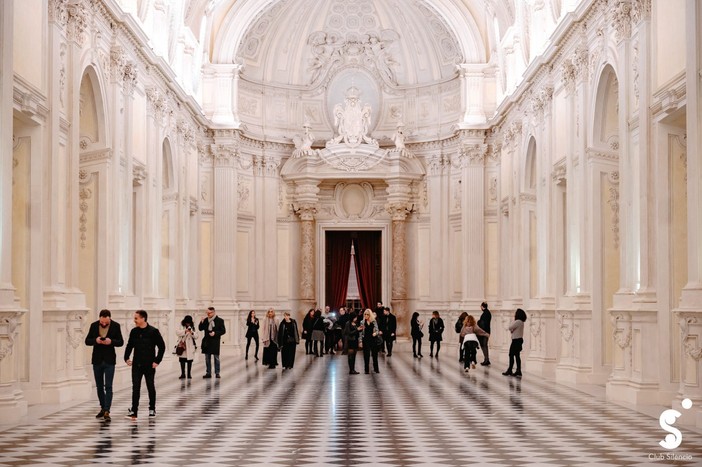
x,y
304,42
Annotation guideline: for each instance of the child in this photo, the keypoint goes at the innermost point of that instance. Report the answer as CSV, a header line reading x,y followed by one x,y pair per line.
x,y
517,330
469,336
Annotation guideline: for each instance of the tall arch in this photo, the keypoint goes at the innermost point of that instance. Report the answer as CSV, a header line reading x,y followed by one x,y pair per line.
x,y
604,146
94,156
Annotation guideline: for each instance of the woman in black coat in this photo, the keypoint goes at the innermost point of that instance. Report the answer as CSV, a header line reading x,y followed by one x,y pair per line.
x,y
351,332
251,333
416,330
436,329
318,330
307,331
288,338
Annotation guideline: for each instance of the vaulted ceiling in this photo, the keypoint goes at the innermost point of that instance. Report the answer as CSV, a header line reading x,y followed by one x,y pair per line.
x,y
297,42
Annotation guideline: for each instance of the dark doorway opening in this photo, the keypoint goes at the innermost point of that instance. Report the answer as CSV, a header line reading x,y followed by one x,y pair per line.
x,y
358,253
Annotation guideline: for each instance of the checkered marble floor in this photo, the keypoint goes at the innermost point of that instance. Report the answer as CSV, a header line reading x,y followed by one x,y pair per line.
x,y
424,412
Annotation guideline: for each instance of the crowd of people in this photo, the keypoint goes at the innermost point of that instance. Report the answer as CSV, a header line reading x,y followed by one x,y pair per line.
x,y
324,332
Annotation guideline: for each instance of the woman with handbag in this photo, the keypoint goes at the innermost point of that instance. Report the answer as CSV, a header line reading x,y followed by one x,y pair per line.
x,y
417,334
288,338
351,331
318,328
251,333
370,337
269,336
187,335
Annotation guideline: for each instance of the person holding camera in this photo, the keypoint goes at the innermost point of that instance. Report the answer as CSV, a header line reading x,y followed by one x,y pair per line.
x,y
104,335
213,327
187,334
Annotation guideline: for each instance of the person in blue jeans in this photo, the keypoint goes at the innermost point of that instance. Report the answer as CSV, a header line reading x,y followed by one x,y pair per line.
x,y
103,336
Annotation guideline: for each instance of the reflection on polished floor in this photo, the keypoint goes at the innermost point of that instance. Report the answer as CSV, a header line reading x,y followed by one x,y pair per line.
x,y
415,412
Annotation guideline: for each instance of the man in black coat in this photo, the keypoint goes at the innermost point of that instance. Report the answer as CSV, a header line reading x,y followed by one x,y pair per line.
x,y
389,329
145,340
484,324
213,329
104,335
380,319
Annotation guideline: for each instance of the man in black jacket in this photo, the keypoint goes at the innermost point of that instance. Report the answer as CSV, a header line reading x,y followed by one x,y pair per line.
x,y
389,329
213,329
144,339
104,335
484,324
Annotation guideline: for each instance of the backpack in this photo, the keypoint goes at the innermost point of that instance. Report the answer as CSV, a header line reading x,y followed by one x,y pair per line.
x,y
459,326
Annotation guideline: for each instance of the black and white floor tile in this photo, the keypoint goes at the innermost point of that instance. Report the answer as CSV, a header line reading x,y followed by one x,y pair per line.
x,y
424,412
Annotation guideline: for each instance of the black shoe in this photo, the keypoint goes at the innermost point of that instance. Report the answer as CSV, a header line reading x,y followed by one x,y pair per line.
x,y
431,355
181,377
256,357
207,376
217,375
486,363
415,355
367,372
437,355
107,416
377,371
101,414
517,373
390,355
190,377
246,357
507,373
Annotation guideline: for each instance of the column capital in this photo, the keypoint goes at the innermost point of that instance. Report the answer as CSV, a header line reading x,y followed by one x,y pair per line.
x,y
398,211
306,211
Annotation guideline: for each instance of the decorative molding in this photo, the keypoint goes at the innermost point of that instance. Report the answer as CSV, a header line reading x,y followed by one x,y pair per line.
x,y
85,195
613,201
527,197
243,191
622,335
73,337
688,340
559,173
566,324
504,206
193,205
9,324
620,18
374,50
139,174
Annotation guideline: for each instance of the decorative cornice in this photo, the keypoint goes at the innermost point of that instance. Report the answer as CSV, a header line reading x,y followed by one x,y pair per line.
x,y
559,173
138,174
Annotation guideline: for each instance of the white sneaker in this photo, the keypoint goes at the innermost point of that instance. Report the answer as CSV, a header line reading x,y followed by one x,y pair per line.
x,y
467,370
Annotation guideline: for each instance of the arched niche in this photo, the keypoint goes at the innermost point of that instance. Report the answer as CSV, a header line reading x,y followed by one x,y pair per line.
x,y
167,172
605,128
93,125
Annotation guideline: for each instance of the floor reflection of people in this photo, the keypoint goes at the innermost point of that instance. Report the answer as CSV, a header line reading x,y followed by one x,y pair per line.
x,y
515,395
104,444
143,443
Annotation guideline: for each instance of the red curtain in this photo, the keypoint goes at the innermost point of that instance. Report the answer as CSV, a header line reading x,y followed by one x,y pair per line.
x,y
367,248
339,244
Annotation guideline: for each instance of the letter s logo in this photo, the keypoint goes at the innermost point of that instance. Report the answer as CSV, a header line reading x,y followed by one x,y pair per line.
x,y
666,419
